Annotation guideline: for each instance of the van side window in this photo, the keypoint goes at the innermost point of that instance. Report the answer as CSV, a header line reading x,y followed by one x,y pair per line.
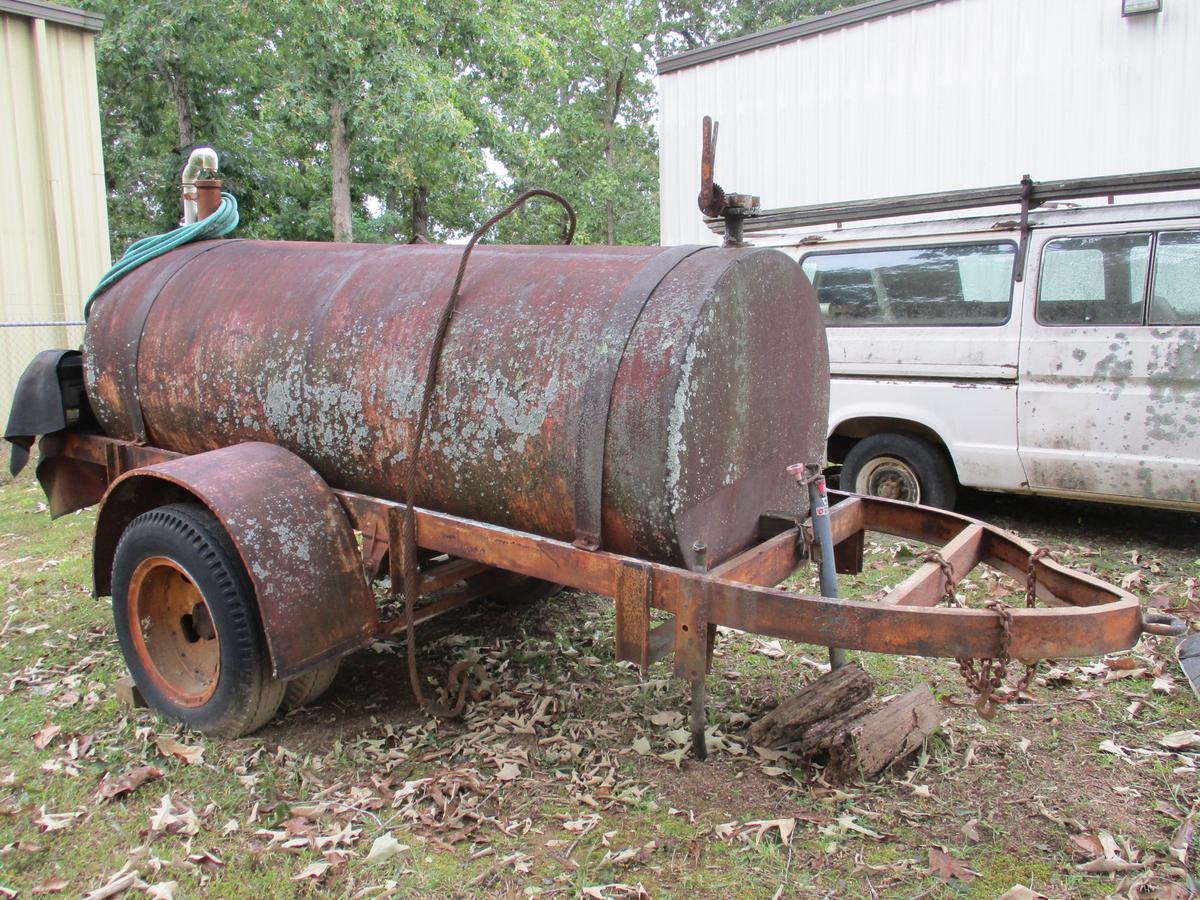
x,y
1097,280
1176,298
953,284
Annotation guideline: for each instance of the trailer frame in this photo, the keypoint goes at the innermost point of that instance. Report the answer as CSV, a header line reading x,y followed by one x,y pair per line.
x,y
1081,616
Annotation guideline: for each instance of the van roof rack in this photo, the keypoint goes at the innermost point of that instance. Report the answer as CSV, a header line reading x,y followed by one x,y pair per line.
x,y
1028,193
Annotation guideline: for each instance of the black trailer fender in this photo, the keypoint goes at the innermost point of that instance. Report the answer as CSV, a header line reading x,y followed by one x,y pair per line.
x,y
289,530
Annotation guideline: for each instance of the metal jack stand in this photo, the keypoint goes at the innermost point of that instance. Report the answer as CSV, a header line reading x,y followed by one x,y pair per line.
x,y
810,475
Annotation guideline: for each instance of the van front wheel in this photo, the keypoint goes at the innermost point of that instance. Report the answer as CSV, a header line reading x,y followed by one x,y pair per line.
x,y
899,467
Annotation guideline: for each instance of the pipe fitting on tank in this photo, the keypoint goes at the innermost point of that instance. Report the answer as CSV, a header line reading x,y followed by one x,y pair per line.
x,y
202,159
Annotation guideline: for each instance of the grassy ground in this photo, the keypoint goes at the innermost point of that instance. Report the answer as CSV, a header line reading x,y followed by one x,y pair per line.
x,y
570,779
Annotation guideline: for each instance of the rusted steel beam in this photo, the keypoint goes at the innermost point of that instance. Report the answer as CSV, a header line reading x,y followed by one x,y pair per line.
x,y
927,585
451,600
635,591
918,523
538,557
912,631
1103,618
845,517
1056,584
767,563
905,630
448,573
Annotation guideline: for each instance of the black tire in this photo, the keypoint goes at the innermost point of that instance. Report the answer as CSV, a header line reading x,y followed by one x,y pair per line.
x,y
310,686
188,623
899,467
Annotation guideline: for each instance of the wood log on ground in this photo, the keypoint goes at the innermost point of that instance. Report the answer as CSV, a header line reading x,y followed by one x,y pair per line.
x,y
863,741
837,719
818,701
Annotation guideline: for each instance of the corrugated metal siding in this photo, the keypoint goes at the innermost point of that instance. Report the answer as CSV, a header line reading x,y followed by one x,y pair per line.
x,y
959,94
54,231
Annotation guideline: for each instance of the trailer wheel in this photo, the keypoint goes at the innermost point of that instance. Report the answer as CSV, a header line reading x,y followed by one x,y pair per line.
x,y
188,623
310,686
899,467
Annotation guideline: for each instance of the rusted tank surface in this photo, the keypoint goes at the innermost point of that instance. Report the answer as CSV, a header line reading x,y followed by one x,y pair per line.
x,y
640,399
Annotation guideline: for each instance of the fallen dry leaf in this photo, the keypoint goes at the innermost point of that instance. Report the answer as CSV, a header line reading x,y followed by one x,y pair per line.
x,y
1182,841
946,867
1020,892
115,787
1087,845
668,718
316,871
44,735
49,822
769,649
384,848
169,747
117,885
1181,740
53,886
785,827
1121,662
1104,865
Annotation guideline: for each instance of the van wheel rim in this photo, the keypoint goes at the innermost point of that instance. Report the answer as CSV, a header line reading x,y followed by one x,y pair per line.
x,y
890,478
173,632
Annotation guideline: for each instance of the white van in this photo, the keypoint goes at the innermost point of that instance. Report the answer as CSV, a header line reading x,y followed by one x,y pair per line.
x,y
1074,373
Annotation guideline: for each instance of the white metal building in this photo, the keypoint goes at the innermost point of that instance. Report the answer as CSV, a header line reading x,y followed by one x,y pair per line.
x,y
54,232
896,97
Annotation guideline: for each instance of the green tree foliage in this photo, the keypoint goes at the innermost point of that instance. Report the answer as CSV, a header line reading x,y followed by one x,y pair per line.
x,y
380,120
584,126
691,24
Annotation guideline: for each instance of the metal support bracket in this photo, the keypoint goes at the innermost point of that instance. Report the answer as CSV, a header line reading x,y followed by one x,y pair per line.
x,y
1023,245
635,592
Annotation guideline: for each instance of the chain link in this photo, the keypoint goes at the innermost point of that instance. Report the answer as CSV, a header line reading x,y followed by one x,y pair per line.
x,y
1030,603
986,678
949,586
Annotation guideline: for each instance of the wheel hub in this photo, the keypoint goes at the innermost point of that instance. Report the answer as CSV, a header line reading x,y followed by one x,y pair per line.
x,y
173,631
890,478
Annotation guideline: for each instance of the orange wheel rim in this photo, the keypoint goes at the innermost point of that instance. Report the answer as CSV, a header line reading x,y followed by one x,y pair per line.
x,y
173,632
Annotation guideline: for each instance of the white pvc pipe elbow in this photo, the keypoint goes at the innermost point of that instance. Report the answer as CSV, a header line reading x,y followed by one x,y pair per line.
x,y
201,159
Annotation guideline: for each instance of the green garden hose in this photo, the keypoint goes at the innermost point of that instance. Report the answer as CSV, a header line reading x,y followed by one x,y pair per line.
x,y
220,223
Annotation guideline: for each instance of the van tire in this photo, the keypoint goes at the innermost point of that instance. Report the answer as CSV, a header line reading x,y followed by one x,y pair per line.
x,y
187,620
899,467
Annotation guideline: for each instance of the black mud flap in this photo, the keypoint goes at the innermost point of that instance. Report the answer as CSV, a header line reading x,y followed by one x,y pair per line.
x,y
49,398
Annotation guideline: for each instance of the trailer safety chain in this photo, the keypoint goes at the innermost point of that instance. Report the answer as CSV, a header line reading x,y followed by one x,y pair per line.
x,y
412,590
1030,602
986,678
949,588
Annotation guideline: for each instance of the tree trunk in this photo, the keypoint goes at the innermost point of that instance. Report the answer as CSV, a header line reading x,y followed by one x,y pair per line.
x,y
339,158
614,106
420,215
177,84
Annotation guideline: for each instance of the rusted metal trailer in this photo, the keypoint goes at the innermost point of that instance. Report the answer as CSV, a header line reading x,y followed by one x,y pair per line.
x,y
617,420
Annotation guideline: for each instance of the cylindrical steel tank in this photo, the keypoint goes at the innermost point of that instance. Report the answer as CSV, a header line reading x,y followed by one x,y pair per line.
x,y
652,394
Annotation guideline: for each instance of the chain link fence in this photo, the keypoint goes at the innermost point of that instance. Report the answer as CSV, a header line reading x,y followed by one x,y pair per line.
x,y
20,342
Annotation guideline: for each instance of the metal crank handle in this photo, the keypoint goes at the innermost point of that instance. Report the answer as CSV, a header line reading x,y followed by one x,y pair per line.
x,y
1162,624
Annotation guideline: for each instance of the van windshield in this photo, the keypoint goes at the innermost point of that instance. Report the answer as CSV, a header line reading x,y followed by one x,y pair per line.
x,y
953,284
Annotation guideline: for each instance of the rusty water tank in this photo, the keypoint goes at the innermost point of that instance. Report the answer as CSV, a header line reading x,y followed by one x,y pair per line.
x,y
654,395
